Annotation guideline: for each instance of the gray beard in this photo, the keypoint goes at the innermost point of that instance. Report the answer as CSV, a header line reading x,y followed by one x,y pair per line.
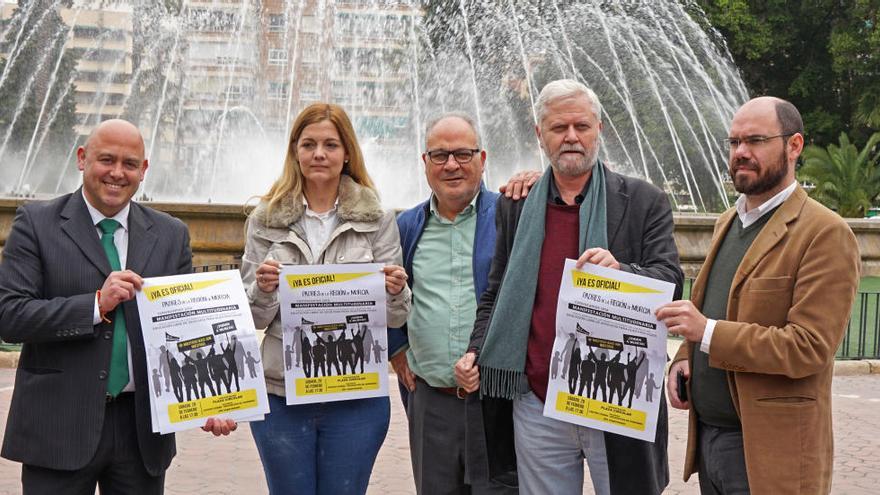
x,y
582,168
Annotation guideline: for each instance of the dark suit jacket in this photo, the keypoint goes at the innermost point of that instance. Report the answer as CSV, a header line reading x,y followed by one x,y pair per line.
x,y
640,238
52,265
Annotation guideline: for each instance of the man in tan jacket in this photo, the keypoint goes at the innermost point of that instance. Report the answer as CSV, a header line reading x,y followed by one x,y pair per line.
x,y
767,313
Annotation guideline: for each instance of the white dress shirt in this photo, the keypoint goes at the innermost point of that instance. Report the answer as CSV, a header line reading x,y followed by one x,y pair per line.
x,y
318,227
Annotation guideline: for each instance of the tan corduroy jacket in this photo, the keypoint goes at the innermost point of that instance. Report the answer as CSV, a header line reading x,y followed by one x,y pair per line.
x,y
787,310
364,234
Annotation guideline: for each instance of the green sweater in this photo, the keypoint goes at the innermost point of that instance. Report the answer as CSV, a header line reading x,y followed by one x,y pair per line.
x,y
709,390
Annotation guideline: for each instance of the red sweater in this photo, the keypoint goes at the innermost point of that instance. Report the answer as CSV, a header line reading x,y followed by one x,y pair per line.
x,y
560,242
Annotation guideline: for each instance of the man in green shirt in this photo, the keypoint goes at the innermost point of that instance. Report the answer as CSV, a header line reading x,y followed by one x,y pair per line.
x,y
448,242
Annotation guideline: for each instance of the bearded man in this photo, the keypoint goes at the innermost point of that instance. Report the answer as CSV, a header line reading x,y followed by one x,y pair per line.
x,y
578,209
766,315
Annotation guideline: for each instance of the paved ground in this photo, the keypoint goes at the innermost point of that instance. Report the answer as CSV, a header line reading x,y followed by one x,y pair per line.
x,y
213,466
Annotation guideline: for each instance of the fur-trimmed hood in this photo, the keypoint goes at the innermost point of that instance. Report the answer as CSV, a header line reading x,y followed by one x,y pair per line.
x,y
355,203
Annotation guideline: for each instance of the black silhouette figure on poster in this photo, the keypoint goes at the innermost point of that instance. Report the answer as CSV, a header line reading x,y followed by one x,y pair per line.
x,y
238,352
369,343
601,378
377,352
190,378
588,369
230,353
288,358
554,365
175,372
164,368
345,352
351,352
157,383
616,378
306,355
332,355
650,386
574,366
566,354
632,369
202,371
319,351
641,375
251,364
219,370
298,346
359,348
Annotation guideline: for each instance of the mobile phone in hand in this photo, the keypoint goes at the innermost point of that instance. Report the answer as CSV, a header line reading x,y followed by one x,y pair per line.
x,y
681,382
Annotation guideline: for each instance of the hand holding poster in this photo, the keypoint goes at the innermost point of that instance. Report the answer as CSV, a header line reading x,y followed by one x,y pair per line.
x,y
334,333
610,351
202,351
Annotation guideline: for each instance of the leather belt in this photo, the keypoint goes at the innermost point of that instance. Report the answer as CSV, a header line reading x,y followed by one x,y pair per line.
x,y
123,395
453,391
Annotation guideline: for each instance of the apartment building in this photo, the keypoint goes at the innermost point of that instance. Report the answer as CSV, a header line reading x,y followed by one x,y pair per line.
x,y
102,39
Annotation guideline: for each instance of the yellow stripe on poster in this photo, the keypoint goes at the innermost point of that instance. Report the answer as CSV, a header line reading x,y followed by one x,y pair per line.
x,y
159,291
601,411
315,279
582,280
336,384
212,406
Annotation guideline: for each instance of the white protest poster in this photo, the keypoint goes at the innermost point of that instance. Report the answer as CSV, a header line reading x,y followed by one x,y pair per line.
x,y
334,334
203,358
608,359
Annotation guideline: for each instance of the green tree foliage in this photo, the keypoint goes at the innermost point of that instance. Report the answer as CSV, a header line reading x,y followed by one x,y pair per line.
x,y
823,55
846,179
855,48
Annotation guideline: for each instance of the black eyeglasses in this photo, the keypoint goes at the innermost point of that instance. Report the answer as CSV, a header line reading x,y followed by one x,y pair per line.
x,y
462,156
751,141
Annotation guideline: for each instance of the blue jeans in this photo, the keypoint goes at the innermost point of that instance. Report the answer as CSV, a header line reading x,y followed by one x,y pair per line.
x,y
550,453
326,448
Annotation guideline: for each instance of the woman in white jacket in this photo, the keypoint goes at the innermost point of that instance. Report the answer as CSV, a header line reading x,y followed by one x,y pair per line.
x,y
323,209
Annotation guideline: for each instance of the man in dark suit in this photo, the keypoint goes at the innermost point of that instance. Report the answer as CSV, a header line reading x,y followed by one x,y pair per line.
x,y
578,209
80,412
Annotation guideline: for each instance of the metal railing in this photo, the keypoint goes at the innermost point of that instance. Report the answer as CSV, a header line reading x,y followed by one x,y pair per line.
x,y
861,340
215,268
862,337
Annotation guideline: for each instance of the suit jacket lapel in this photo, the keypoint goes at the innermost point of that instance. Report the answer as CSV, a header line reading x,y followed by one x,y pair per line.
x,y
770,235
77,224
141,239
616,202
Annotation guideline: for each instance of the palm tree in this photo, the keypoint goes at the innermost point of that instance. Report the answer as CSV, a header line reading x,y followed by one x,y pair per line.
x,y
847,180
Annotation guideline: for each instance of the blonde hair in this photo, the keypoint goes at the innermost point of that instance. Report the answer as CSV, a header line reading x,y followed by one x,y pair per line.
x,y
291,179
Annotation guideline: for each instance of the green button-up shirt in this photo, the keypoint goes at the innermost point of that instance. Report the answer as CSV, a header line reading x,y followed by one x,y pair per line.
x,y
444,302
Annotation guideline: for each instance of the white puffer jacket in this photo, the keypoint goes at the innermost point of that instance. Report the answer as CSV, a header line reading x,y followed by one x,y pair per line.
x,y
364,234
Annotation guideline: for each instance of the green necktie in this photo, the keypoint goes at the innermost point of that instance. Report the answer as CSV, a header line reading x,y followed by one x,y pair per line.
x,y
119,356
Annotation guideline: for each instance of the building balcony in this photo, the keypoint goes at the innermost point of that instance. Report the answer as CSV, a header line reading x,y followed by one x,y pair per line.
x,y
94,87
114,67
90,108
90,43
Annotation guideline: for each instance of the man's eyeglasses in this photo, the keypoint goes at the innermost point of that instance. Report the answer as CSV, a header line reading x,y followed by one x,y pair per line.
x,y
751,141
462,156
